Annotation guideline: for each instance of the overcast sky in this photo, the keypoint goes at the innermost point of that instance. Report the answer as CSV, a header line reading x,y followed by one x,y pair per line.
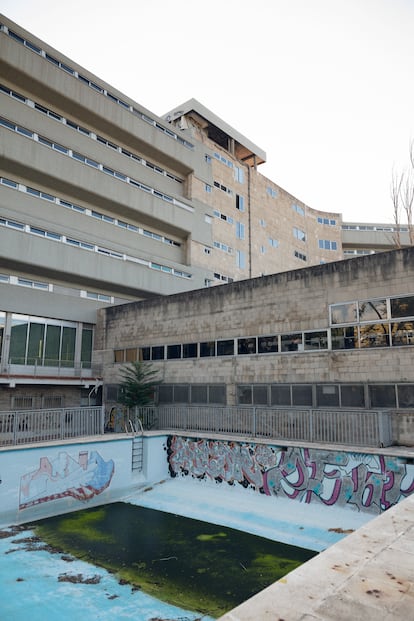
x,y
324,87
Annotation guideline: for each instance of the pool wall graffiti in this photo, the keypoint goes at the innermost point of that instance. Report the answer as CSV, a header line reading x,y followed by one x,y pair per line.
x,y
366,482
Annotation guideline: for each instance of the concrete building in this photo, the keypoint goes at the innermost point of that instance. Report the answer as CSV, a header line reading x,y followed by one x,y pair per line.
x,y
103,202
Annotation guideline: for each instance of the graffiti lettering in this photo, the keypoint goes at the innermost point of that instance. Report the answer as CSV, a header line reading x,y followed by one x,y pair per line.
x,y
368,482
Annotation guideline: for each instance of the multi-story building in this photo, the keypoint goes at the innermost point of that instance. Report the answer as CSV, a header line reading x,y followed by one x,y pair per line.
x,y
103,202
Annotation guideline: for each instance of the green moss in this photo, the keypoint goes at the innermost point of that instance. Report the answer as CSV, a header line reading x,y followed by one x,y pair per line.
x,y
185,562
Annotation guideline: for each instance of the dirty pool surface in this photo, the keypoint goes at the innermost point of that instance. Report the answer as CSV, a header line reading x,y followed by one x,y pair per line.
x,y
147,565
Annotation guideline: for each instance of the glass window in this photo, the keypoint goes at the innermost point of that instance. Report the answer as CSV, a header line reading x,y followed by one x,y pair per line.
x,y
165,393
291,342
352,396
372,310
344,313
382,396
173,351
157,352
145,353
239,230
302,394
299,234
246,346
207,348
131,355
2,324
316,340
68,346
239,202
374,335
268,344
344,338
52,347
240,259
402,307
244,395
225,348
403,333
86,347
181,393
327,395
36,343
260,395
199,394
280,394
18,338
190,350
217,393
405,395
119,355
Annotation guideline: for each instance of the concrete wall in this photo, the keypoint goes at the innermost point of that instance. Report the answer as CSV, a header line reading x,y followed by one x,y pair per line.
x,y
40,481
368,482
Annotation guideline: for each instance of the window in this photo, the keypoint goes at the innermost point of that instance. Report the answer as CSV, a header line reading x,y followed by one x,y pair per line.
x,y
299,234
190,350
119,355
382,396
208,188
292,342
225,348
271,192
240,230
402,307
157,352
240,259
262,222
352,396
131,355
273,242
344,313
280,394
328,222
344,338
247,346
268,344
374,335
207,348
239,202
302,394
325,244
370,310
173,352
239,174
316,340
298,209
300,255
327,395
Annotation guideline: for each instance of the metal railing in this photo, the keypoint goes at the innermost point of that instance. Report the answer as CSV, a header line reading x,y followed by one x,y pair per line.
x,y
28,426
349,427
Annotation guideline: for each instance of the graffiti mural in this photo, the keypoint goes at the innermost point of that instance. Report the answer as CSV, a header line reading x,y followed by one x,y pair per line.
x,y
367,482
64,476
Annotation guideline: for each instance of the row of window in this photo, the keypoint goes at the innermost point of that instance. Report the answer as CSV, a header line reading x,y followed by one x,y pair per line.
x,y
88,212
86,132
375,227
360,311
94,86
90,162
327,221
366,396
45,342
33,230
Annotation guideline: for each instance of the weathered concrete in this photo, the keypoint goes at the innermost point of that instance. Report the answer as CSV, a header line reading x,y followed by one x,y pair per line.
x,y
367,576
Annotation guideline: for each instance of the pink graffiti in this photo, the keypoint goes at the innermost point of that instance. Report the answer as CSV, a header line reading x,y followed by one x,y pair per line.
x,y
367,482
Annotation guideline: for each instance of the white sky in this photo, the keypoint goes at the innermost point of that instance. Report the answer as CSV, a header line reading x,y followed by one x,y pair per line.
x,y
325,87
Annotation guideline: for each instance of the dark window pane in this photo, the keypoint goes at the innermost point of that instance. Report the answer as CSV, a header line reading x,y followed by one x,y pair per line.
x,y
406,395
217,394
316,340
225,348
268,344
181,394
199,394
52,347
119,355
86,349
165,394
131,355
374,335
145,353
207,348
291,342
173,351
280,395
157,352
18,339
382,396
352,396
372,310
402,307
190,350
327,395
36,343
344,338
260,395
244,395
302,395
67,356
246,346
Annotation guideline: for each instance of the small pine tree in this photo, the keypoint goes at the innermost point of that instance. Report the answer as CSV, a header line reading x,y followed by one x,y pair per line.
x,y
138,384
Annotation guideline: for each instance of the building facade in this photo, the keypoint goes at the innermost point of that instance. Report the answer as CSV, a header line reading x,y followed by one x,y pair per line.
x,y
103,202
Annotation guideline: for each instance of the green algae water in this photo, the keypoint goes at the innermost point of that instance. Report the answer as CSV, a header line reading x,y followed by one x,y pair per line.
x,y
198,566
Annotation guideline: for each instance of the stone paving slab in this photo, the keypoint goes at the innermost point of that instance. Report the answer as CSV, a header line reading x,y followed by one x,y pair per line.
x,y
367,576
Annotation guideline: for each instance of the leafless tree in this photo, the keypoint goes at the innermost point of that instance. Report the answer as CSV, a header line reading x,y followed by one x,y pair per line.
x,y
402,196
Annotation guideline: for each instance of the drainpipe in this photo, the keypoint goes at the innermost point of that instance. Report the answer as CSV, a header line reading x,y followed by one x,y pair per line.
x,y
249,218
